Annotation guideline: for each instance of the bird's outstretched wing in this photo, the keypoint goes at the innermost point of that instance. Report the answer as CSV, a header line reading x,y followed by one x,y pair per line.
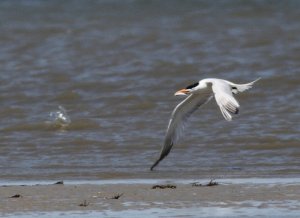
x,y
178,119
225,100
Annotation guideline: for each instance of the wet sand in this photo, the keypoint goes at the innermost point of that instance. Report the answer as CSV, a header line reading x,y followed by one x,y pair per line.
x,y
141,197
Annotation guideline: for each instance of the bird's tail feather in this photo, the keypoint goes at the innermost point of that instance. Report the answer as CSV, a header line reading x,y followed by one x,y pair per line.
x,y
244,87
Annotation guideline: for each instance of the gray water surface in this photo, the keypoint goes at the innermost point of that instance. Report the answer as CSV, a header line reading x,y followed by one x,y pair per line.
x,y
115,65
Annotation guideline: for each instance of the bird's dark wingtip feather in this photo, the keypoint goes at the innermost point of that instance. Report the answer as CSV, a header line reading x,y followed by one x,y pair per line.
x,y
155,164
163,154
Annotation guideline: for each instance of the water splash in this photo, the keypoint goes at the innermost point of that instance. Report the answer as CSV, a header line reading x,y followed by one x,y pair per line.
x,y
60,117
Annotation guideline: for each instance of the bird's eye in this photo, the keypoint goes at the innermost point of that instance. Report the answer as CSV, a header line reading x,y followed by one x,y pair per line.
x,y
192,86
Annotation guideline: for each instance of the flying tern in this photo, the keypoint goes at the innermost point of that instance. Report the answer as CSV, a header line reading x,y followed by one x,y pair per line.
x,y
199,94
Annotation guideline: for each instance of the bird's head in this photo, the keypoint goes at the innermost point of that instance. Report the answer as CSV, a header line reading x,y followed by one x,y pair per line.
x,y
191,88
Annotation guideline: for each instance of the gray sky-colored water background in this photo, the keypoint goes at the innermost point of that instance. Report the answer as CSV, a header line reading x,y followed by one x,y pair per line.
x,y
86,88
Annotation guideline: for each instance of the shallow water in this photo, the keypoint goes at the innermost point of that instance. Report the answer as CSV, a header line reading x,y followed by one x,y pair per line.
x,y
114,66
252,209
236,181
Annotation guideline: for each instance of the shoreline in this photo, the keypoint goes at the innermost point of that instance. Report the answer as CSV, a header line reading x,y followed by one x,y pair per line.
x,y
280,194
137,181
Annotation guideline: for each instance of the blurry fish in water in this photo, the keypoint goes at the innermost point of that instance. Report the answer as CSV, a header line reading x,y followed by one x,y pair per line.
x,y
60,117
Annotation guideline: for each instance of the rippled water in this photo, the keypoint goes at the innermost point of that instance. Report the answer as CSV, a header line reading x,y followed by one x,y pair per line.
x,y
115,65
253,210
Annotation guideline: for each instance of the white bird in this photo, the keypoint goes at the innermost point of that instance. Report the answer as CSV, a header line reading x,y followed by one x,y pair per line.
x,y
198,94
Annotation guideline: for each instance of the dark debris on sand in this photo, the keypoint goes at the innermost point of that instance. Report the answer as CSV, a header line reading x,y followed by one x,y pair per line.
x,y
16,196
117,196
163,186
196,184
84,204
211,183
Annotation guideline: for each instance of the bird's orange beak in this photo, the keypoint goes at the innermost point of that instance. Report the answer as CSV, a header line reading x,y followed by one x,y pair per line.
x,y
182,92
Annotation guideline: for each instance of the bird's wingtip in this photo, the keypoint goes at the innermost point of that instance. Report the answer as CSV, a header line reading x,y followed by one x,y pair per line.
x,y
259,78
237,110
152,167
155,164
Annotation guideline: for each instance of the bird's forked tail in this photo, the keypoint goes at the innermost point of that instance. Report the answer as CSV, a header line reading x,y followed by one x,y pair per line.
x,y
244,87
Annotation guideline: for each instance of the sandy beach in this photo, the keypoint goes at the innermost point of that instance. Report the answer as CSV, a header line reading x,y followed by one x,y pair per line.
x,y
118,198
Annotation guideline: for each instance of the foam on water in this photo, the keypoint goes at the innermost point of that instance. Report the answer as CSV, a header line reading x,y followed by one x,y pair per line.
x,y
60,117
